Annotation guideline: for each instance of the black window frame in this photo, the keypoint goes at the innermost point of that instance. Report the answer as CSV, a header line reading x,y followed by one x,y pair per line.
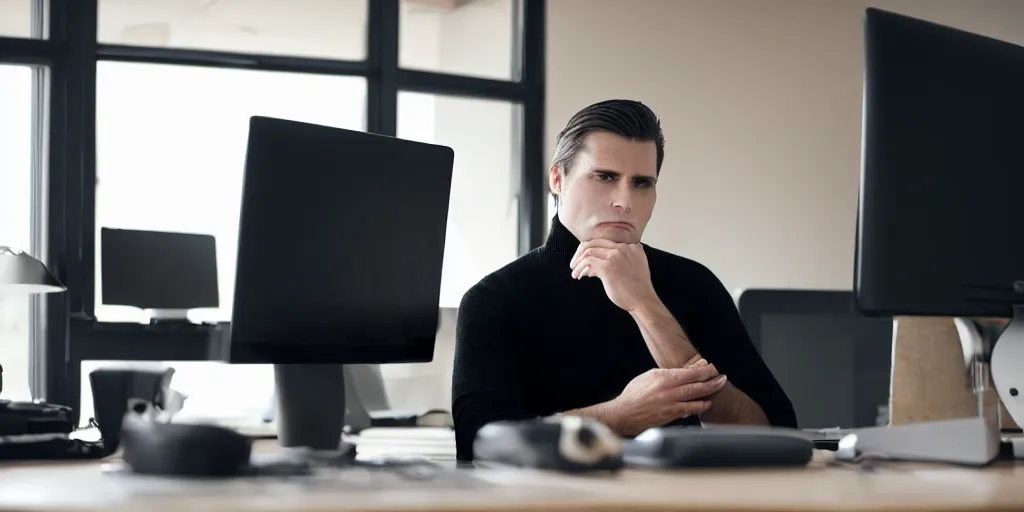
x,y
65,330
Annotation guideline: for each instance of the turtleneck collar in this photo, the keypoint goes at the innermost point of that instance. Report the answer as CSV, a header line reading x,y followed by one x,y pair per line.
x,y
561,243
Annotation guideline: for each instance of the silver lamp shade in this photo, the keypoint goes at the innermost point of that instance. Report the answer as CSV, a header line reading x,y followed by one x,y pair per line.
x,y
21,273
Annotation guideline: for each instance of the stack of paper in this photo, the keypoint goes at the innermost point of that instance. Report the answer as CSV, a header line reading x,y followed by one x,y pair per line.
x,y
429,442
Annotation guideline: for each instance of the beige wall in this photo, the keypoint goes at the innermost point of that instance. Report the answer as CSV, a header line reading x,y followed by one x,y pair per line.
x,y
761,105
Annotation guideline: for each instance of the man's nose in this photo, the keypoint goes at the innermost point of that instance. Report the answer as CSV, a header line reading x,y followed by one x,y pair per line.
x,y
622,197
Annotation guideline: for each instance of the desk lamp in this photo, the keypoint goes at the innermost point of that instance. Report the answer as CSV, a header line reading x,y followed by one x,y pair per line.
x,y
21,273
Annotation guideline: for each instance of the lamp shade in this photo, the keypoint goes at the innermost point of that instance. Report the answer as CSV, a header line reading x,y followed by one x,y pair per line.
x,y
20,272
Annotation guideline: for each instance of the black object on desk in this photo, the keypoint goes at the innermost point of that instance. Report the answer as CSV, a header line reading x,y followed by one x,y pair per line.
x,y
732,446
161,448
561,443
39,431
29,418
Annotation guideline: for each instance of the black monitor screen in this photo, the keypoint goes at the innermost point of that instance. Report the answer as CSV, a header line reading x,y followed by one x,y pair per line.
x,y
942,174
833,363
158,270
833,367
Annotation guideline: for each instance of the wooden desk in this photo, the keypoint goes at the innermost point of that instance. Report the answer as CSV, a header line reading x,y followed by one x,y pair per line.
x,y
896,487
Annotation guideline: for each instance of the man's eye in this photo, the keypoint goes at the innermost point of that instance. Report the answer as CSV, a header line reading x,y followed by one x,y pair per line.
x,y
644,183
606,177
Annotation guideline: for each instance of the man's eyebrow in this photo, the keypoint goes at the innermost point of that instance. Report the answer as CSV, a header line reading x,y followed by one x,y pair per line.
x,y
604,170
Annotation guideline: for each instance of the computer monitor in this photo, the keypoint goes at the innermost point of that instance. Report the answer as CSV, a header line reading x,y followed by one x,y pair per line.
x,y
340,246
162,272
942,175
833,362
940,206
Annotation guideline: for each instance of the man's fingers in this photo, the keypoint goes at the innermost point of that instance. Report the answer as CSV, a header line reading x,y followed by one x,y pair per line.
x,y
599,242
694,408
588,267
696,373
696,360
696,390
595,252
703,372
590,244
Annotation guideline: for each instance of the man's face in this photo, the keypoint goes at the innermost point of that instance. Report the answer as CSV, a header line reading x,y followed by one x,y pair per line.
x,y
609,192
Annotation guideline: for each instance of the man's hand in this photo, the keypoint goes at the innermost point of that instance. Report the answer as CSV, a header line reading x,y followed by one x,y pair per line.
x,y
622,269
660,396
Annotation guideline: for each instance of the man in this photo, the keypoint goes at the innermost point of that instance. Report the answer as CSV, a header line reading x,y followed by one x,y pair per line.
x,y
609,328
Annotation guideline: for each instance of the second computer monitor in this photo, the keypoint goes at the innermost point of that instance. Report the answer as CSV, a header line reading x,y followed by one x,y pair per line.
x,y
162,272
340,246
942,181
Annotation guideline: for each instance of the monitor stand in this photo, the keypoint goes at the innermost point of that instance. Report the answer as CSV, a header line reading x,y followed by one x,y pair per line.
x,y
310,406
990,347
167,315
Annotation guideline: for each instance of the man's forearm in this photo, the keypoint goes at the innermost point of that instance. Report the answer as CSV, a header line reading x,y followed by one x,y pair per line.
x,y
730,405
665,339
671,348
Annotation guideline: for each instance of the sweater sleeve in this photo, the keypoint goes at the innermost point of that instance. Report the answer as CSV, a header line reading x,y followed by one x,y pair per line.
x,y
720,336
487,379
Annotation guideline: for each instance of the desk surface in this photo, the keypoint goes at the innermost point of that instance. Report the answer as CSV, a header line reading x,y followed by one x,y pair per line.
x,y
62,486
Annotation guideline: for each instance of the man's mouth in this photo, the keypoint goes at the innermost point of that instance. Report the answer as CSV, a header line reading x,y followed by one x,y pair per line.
x,y
620,225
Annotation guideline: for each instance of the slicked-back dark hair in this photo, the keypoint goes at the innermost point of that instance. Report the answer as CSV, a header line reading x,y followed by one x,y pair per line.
x,y
627,118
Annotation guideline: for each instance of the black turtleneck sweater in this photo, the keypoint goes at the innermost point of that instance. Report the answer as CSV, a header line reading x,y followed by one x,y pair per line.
x,y
532,341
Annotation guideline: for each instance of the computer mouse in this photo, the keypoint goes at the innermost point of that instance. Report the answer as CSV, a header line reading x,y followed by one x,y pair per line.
x,y
560,443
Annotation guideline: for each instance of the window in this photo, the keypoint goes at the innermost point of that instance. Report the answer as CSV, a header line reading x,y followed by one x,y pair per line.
x,y
329,29
16,85
21,18
150,133
170,150
482,215
465,37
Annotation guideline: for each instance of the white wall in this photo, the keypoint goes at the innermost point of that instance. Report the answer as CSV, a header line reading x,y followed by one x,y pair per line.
x,y
761,106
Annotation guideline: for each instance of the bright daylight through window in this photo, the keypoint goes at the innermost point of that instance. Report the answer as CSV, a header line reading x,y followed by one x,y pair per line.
x,y
472,38
171,140
16,84
327,29
482,214
16,18
170,150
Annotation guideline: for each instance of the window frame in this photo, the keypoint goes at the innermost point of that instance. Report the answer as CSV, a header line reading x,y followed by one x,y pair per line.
x,y
65,330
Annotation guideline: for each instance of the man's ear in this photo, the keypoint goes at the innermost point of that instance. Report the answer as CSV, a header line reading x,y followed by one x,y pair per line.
x,y
555,180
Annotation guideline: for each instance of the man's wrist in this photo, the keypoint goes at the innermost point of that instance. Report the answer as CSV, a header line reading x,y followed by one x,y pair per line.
x,y
648,307
605,412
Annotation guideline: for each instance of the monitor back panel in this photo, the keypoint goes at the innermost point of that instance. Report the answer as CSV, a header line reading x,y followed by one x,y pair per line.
x,y
942,172
341,242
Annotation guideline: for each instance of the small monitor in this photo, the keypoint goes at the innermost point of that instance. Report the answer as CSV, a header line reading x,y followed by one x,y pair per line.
x,y
159,271
340,246
942,177
833,362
